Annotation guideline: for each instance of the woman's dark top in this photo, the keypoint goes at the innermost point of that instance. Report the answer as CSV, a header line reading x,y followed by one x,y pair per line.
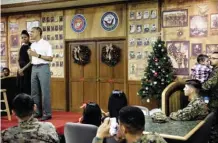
x,y
24,82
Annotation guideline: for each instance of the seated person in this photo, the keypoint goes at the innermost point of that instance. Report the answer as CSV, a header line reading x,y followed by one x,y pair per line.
x,y
29,129
5,72
91,114
131,127
117,100
197,108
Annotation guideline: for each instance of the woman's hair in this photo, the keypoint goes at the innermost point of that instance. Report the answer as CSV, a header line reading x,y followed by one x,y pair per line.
x,y
24,32
92,114
117,100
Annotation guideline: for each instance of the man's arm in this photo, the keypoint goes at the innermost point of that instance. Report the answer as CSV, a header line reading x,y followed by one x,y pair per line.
x,y
103,131
210,83
192,111
46,58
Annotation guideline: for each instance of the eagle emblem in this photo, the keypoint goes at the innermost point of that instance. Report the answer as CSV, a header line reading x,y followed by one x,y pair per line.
x,y
109,21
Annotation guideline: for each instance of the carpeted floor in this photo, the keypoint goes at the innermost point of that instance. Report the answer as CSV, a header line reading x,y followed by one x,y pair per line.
x,y
59,119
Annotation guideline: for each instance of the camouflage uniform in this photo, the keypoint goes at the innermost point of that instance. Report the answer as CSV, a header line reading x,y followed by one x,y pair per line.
x,y
30,131
195,110
148,138
211,88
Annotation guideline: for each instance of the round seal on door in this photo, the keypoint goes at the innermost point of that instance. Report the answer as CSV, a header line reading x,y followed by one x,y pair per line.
x,y
109,21
78,23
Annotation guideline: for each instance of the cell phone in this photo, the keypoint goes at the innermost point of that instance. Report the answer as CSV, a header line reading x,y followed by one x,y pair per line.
x,y
113,126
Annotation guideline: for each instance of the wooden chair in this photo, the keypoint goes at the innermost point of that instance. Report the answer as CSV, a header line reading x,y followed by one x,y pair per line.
x,y
144,109
5,101
173,97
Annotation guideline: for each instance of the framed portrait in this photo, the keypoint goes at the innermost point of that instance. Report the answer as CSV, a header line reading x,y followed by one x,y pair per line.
x,y
43,19
60,18
198,26
52,19
196,49
132,68
44,28
48,28
153,14
132,42
146,54
31,24
146,14
178,51
13,27
14,40
61,63
131,55
3,48
13,57
52,28
146,41
132,28
138,28
60,27
2,26
139,42
146,28
131,15
138,15
175,18
48,19
3,64
214,21
153,28
139,55
210,48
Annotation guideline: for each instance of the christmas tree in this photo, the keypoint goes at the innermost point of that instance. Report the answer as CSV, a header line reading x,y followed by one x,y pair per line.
x,y
158,74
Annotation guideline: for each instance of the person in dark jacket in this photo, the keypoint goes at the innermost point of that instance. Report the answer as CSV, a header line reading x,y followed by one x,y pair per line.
x,y
25,67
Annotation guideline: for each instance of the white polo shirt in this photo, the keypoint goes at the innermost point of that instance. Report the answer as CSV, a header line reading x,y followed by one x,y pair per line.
x,y
43,48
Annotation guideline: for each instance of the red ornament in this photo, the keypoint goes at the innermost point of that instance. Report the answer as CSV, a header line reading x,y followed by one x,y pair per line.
x,y
155,74
156,59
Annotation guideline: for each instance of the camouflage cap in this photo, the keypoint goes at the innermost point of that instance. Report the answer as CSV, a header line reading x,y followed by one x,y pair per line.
x,y
159,117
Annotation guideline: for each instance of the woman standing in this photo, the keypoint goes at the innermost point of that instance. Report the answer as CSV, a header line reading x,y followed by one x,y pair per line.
x,y
25,67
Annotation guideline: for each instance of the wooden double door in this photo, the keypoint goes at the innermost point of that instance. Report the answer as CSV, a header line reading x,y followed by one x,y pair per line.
x,y
96,80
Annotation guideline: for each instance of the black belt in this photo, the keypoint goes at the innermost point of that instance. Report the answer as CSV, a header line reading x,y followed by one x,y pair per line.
x,y
38,65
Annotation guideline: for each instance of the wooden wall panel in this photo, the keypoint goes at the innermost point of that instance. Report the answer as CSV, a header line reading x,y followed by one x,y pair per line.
x,y
76,96
90,92
105,91
135,100
93,18
58,94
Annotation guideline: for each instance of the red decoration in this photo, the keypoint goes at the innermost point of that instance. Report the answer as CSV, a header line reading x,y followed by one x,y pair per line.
x,y
156,59
155,74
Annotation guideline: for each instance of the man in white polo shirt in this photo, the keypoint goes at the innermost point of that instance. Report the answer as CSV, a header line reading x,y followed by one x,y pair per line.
x,y
41,52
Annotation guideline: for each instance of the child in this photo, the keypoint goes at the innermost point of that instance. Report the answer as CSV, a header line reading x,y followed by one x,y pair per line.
x,y
117,100
91,114
202,69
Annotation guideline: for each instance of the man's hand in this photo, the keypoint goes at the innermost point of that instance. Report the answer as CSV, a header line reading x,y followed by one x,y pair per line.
x,y
32,53
103,130
20,72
